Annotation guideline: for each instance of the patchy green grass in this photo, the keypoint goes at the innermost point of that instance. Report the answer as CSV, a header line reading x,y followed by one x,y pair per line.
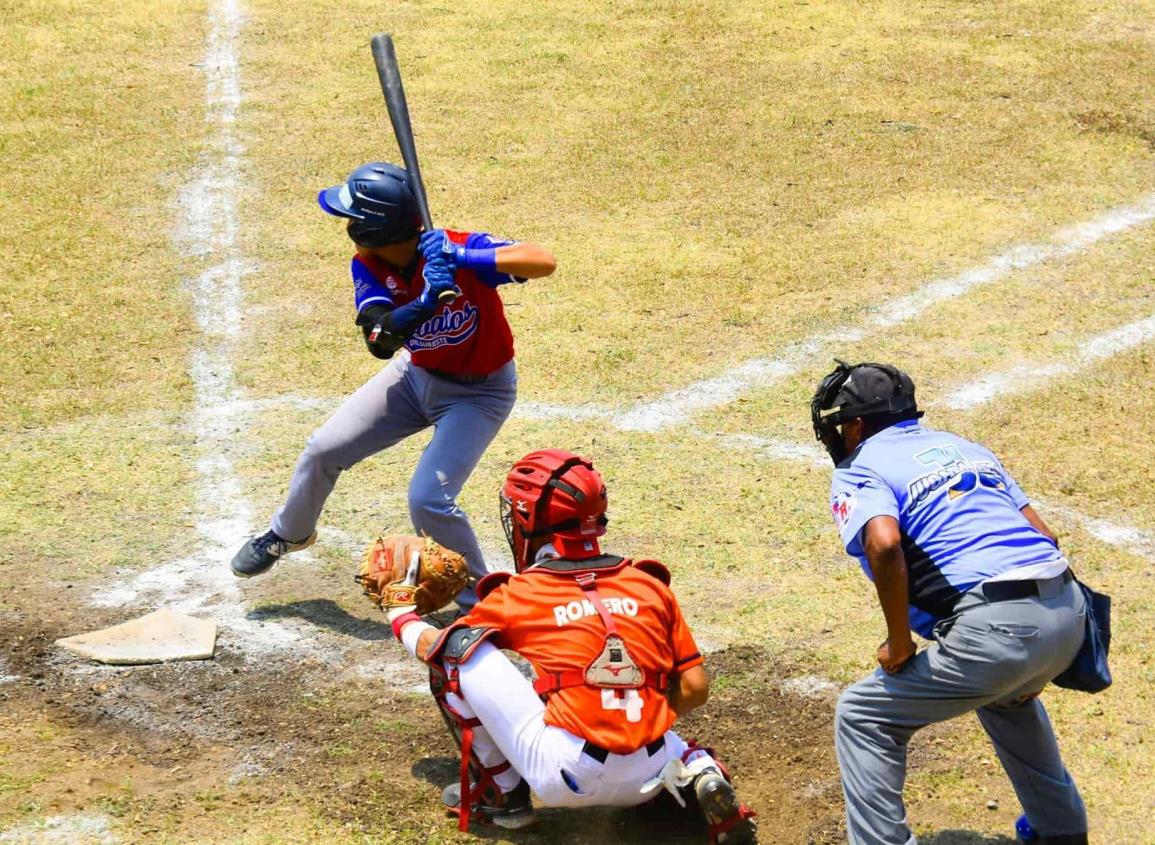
x,y
728,175
101,123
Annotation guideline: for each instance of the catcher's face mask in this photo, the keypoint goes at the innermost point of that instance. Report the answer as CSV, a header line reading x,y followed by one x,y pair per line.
x,y
505,507
858,391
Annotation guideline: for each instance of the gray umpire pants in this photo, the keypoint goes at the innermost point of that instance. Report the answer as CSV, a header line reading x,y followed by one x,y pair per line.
x,y
992,660
403,399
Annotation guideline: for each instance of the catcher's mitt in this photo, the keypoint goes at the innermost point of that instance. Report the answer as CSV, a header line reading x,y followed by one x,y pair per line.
x,y
402,569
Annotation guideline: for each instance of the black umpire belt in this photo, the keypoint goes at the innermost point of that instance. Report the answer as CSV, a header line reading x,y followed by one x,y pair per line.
x,y
600,754
1011,590
460,378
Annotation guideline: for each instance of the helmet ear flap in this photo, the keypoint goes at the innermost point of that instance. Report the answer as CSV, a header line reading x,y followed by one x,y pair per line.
x,y
366,235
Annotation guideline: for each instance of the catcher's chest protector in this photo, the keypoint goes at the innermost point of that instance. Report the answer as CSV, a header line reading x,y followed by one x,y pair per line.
x,y
614,668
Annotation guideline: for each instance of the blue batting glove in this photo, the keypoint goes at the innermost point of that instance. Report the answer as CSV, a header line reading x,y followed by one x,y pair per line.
x,y
439,277
434,244
475,259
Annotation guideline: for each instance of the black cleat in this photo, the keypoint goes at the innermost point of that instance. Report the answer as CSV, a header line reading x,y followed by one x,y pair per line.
x,y
514,812
260,553
729,821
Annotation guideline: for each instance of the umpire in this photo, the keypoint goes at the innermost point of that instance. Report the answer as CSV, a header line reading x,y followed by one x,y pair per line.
x,y
957,554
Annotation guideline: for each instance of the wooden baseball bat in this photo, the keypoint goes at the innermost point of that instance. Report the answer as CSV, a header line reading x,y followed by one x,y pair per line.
x,y
389,74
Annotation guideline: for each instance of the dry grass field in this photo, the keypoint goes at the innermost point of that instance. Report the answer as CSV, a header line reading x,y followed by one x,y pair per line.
x,y
736,192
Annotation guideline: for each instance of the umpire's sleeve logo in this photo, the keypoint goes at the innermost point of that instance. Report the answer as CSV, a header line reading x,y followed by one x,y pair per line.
x,y
842,505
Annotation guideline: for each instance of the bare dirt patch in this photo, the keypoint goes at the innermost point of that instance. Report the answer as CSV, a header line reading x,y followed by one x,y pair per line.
x,y
182,751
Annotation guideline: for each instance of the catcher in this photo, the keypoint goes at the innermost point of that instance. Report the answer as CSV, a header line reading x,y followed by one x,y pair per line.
x,y
615,660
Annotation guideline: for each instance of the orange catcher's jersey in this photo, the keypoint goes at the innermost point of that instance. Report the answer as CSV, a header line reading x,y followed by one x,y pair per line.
x,y
544,615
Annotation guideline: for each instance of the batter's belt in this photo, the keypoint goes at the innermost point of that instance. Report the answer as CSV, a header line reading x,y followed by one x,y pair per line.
x,y
459,378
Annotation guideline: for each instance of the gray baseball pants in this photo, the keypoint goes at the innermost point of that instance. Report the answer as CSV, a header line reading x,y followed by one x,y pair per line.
x,y
991,660
403,399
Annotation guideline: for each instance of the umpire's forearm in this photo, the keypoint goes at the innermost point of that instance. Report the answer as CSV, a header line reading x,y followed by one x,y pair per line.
x,y
883,546
890,579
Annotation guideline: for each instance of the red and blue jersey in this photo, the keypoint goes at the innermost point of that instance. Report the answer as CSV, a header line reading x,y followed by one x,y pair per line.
x,y
469,336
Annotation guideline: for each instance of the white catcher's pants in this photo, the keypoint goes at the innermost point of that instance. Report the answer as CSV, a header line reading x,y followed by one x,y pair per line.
x,y
515,730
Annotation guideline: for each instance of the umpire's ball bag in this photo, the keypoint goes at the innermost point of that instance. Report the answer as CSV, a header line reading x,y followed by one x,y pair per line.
x,y
1089,672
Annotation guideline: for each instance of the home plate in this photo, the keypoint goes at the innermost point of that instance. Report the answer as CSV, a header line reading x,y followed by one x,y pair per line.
x,y
160,636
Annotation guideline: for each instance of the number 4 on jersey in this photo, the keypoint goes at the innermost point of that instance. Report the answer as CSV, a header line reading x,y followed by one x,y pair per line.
x,y
627,700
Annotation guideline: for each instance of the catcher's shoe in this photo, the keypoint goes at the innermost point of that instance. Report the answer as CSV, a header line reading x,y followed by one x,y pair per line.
x,y
515,812
729,821
260,553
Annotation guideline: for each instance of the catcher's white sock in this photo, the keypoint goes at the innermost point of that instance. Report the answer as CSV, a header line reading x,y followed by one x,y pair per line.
x,y
507,781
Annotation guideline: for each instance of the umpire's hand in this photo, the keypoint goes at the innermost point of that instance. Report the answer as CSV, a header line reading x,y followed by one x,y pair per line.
x,y
892,658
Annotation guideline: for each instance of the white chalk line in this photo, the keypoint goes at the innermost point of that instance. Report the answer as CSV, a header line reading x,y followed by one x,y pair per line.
x,y
814,687
1032,376
772,449
63,830
6,677
677,406
1137,541
208,228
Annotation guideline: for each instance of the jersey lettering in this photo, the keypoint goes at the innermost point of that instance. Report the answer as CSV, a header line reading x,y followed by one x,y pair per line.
x,y
470,336
563,614
446,328
961,475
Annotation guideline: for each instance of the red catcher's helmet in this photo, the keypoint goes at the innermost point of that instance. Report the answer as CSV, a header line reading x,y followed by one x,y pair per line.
x,y
555,495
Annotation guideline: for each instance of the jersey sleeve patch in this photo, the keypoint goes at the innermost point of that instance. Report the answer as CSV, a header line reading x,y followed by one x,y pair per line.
x,y
842,504
366,289
857,496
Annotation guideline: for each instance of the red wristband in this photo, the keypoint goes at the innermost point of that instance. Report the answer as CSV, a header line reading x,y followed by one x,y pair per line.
x,y
403,620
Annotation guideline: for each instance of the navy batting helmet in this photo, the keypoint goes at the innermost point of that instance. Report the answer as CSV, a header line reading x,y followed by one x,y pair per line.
x,y
378,202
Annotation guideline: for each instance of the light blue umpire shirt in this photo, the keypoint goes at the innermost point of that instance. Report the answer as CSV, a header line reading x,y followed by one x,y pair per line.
x,y
958,509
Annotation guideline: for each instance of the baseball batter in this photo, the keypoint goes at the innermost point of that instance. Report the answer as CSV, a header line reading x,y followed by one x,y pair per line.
x,y
956,553
428,303
616,665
